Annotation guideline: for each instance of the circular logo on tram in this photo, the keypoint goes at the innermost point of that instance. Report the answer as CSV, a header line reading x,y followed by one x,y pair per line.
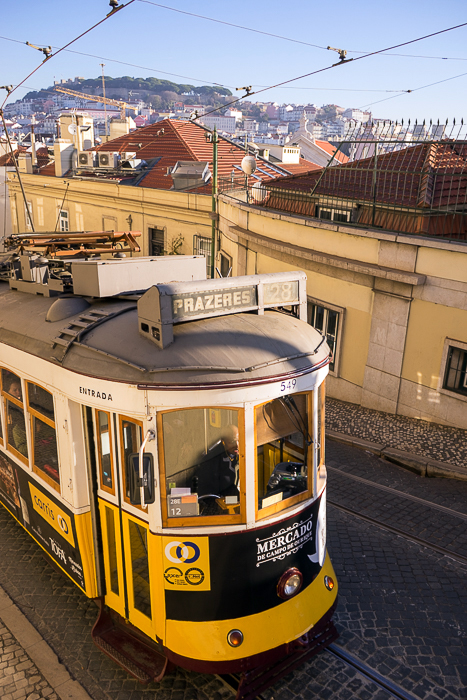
x,y
194,577
173,575
182,552
63,524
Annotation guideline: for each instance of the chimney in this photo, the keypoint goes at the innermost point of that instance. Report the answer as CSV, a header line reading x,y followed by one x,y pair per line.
x,y
63,152
25,163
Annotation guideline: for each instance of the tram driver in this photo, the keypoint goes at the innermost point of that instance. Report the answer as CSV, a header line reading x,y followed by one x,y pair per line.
x,y
217,473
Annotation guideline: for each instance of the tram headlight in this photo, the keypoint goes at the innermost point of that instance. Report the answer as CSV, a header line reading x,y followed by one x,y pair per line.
x,y
289,583
329,583
235,638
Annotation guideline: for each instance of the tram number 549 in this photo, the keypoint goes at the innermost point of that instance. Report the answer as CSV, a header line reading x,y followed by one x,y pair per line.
x,y
288,386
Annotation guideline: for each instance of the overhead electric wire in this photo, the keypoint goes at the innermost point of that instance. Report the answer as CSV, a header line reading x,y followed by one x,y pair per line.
x,y
231,24
198,80
48,58
422,87
280,36
335,65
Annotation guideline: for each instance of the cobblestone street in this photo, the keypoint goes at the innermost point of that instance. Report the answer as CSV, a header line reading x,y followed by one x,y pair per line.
x,y
19,677
402,608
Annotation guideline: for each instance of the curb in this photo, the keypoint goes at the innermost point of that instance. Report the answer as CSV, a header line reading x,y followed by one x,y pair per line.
x,y
419,464
39,652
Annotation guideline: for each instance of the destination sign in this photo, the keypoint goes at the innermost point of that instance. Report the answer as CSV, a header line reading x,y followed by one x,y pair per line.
x,y
204,303
165,305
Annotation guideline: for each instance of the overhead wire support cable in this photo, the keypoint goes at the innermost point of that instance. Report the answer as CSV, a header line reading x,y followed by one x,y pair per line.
x,y
335,65
110,14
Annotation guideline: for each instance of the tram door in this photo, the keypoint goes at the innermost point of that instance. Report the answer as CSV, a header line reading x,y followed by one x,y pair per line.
x,y
124,536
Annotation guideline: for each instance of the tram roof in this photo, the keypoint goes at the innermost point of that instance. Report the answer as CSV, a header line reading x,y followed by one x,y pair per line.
x,y
219,350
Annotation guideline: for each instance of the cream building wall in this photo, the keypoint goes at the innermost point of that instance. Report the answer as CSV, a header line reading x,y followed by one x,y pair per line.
x,y
401,300
94,205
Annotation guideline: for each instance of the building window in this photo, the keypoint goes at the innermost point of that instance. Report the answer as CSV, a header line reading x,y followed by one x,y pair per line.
x,y
328,321
226,265
330,214
202,246
455,376
156,241
63,220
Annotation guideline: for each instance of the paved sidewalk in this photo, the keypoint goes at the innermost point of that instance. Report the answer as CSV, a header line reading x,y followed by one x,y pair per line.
x,y
427,448
29,669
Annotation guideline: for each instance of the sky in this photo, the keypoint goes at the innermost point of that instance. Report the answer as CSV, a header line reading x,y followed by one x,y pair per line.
x,y
147,39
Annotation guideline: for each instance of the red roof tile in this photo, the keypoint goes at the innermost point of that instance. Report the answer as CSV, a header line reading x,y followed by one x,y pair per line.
x,y
173,140
329,148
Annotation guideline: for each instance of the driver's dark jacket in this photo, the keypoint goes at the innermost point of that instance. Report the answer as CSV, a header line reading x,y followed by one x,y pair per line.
x,y
216,472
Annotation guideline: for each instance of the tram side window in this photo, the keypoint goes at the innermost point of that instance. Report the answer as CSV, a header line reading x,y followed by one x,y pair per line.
x,y
131,438
282,454
16,436
201,461
105,453
140,567
44,440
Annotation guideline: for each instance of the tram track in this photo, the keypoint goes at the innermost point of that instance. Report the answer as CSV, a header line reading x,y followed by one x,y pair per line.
x,y
338,652
370,674
396,531
396,492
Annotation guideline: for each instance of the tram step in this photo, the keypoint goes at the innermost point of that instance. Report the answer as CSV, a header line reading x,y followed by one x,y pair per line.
x,y
254,682
128,651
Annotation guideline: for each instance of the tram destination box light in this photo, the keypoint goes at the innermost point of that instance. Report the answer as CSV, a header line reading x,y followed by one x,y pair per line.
x,y
166,304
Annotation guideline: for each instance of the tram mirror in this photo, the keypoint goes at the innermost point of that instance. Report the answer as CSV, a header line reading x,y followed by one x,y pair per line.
x,y
135,483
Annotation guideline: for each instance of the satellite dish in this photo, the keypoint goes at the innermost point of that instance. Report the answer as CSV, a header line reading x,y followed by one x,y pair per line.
x,y
72,129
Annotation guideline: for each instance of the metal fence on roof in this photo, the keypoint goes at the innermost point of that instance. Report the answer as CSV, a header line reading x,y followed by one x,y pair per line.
x,y
406,178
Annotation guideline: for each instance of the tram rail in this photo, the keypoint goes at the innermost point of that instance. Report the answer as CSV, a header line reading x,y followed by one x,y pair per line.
x,y
384,683
396,492
396,531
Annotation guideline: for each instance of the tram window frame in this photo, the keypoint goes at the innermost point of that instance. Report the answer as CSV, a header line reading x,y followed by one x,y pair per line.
x,y
262,513
200,520
102,485
19,403
126,489
2,420
33,413
336,337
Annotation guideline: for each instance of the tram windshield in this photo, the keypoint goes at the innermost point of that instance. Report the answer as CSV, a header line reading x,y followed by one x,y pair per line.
x,y
201,459
282,441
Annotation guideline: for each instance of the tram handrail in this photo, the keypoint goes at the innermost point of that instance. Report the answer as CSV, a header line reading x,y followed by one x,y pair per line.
x,y
150,435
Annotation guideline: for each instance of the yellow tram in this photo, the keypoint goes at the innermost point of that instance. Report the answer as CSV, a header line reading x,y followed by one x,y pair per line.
x,y
163,442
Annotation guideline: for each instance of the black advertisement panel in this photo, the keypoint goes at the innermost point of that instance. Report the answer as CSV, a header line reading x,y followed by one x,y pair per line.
x,y
245,567
44,517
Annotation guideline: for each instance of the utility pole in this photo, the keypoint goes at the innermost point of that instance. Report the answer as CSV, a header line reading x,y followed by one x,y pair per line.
x,y
214,200
105,104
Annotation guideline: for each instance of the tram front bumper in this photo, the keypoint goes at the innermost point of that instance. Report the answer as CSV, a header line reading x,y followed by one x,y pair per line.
x,y
272,634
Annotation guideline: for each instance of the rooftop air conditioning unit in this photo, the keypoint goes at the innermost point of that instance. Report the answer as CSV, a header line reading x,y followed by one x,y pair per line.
x,y
107,159
86,159
128,156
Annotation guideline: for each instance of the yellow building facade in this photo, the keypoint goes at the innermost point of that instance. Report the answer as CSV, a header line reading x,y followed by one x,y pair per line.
x,y
393,306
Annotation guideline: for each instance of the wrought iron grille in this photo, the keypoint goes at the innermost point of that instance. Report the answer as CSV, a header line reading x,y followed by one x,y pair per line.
x,y
409,179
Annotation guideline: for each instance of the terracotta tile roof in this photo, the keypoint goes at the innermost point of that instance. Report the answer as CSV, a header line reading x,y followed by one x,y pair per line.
x,y
7,158
329,148
427,175
48,170
421,189
173,140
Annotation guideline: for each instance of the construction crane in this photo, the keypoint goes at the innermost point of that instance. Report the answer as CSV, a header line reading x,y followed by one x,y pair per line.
x,y
95,98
